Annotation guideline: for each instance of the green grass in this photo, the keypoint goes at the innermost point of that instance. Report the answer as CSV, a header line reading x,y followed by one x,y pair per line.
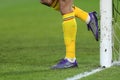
x,y
31,41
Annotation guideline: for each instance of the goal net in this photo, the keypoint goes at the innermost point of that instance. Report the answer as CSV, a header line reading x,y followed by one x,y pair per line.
x,y
116,31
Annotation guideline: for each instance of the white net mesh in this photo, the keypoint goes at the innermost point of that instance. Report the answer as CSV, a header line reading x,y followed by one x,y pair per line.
x,y
116,31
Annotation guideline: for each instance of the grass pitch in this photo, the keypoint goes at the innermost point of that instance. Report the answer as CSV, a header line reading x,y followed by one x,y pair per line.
x,y
31,41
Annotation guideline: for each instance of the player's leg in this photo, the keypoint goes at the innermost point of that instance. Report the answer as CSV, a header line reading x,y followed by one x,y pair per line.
x,y
78,12
81,14
69,30
89,18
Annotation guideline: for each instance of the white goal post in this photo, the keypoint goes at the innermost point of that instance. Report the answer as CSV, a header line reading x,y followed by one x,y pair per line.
x,y
106,33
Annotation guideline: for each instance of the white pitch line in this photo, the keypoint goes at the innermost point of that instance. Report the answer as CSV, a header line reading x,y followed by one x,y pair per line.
x,y
85,74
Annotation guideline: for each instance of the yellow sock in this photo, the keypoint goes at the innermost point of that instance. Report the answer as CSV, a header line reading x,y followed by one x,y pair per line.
x,y
69,29
84,16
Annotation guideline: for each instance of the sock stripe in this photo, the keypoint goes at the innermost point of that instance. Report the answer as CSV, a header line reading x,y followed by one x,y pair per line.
x,y
68,18
54,4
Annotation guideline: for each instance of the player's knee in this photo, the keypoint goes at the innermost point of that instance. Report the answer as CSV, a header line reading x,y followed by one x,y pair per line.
x,y
46,2
65,10
65,6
